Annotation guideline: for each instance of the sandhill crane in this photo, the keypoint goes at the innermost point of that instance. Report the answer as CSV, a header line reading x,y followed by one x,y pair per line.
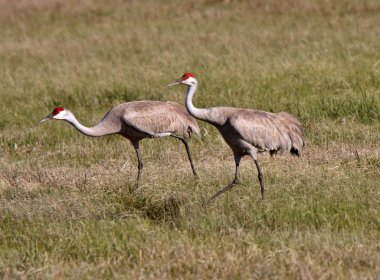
x,y
138,120
247,131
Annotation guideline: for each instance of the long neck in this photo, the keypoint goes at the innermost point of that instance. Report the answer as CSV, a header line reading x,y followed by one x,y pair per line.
x,y
98,130
201,114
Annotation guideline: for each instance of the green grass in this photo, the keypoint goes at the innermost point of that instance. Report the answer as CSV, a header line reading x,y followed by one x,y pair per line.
x,y
65,206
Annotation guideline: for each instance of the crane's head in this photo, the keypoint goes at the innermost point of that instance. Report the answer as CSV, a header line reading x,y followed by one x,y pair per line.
x,y
58,113
186,79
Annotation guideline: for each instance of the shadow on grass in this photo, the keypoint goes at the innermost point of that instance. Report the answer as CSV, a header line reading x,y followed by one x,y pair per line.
x,y
166,210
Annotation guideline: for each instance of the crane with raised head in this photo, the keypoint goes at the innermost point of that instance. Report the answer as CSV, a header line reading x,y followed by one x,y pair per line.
x,y
247,131
138,120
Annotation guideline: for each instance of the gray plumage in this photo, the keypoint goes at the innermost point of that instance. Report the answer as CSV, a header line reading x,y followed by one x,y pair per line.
x,y
138,120
247,131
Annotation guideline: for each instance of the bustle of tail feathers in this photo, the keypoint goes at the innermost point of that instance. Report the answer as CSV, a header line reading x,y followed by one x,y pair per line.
x,y
296,136
192,124
190,121
294,152
295,132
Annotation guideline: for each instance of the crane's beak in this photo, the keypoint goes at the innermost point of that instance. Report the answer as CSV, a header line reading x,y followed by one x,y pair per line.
x,y
48,117
175,83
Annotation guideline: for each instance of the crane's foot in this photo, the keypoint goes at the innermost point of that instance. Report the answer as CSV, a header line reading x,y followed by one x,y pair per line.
x,y
196,175
133,188
227,188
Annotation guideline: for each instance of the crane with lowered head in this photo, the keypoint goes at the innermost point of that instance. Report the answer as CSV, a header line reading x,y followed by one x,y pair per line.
x,y
138,120
247,131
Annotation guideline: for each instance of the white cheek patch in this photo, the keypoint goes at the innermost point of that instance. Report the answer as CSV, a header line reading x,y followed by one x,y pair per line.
x,y
59,115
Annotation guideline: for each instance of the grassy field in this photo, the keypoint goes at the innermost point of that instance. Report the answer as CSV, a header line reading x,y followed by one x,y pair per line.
x,y
65,206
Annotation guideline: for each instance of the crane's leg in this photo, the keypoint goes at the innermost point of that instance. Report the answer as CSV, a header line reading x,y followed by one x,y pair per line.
x,y
188,153
136,145
232,184
261,178
260,174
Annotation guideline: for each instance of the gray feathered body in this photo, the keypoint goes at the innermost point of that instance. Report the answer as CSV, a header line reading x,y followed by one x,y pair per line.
x,y
147,119
138,120
244,129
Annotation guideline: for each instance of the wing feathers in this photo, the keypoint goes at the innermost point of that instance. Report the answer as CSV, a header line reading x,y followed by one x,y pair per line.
x,y
155,117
